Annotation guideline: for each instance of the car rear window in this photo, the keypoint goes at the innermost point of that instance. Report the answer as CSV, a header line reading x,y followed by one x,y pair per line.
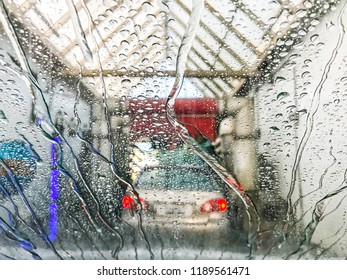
x,y
178,178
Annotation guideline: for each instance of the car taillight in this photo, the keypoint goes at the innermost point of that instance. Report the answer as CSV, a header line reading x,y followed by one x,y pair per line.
x,y
129,203
214,205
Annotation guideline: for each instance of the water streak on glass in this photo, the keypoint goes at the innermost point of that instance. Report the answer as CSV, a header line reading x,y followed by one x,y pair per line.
x,y
197,129
310,122
183,52
81,36
320,206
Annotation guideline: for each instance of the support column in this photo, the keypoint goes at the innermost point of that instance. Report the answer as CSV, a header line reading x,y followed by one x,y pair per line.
x,y
237,134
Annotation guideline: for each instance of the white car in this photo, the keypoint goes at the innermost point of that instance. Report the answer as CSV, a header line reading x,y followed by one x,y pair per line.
x,y
181,201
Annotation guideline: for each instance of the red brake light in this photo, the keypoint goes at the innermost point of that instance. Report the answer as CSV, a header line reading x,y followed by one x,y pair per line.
x,y
222,203
127,202
214,205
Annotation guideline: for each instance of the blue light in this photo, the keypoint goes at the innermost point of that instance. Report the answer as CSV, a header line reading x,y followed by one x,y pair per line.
x,y
53,223
54,184
53,208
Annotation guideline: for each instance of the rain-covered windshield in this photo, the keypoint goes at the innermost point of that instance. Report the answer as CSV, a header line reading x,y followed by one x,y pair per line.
x,y
242,102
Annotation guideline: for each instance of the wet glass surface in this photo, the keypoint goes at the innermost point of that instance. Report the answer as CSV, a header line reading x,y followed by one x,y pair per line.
x,y
173,129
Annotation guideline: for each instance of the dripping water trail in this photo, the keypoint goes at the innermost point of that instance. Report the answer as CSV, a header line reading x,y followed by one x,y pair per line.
x,y
78,28
312,112
320,186
6,256
8,196
331,246
44,118
317,216
334,209
321,179
18,188
317,246
82,230
77,98
14,40
30,147
75,110
113,166
62,170
183,51
12,233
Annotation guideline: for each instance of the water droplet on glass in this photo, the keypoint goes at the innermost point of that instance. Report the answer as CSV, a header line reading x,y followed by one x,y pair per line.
x,y
282,95
2,115
314,37
274,128
301,13
305,74
279,79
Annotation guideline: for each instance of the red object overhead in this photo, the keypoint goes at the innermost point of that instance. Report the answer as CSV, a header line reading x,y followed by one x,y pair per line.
x,y
148,118
196,106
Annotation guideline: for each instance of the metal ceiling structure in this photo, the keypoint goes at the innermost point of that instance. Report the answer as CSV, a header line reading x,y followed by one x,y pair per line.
x,y
140,39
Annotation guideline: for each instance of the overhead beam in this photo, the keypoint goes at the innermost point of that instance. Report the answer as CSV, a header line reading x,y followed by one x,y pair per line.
x,y
219,40
250,14
166,73
232,29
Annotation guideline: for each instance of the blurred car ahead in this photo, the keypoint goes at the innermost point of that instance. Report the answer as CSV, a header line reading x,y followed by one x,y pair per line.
x,y
186,199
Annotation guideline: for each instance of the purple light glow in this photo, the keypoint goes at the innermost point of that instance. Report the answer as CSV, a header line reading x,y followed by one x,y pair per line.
x,y
53,208
54,184
53,222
